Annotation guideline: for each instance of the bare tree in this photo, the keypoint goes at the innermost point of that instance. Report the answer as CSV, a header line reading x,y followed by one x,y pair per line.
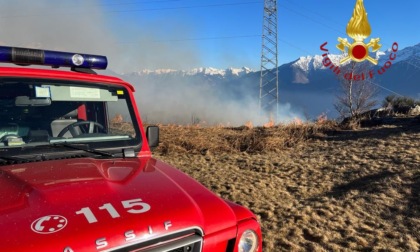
x,y
357,92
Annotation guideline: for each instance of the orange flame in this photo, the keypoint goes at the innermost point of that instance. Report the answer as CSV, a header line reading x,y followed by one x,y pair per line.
x,y
270,123
118,118
249,125
322,118
297,121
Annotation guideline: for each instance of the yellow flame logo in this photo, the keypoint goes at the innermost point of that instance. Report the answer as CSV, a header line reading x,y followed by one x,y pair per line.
x,y
358,29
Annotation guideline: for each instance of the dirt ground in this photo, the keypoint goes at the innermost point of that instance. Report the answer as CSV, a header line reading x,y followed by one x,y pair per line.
x,y
312,190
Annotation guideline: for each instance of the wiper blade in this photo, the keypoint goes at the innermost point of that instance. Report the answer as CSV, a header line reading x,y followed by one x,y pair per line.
x,y
77,147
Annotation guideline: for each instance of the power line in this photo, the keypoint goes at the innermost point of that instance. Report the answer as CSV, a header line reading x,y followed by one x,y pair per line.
x,y
387,89
311,19
189,7
134,2
143,10
138,2
300,6
198,39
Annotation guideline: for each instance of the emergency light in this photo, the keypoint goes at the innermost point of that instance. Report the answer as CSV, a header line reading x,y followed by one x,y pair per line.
x,y
55,59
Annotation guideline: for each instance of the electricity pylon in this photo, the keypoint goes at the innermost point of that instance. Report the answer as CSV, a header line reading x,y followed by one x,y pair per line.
x,y
269,80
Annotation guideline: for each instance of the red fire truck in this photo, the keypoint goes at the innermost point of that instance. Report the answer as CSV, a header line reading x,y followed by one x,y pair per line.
x,y
77,173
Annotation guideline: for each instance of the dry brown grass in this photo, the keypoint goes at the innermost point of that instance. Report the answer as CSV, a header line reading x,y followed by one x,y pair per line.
x,y
196,139
313,187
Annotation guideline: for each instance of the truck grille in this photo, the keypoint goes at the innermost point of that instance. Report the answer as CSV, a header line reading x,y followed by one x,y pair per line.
x,y
185,241
189,244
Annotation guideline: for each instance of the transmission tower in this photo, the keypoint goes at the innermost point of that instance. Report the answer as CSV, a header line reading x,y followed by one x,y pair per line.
x,y
269,80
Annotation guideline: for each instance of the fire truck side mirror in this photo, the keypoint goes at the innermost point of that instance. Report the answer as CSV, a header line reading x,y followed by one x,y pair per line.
x,y
152,134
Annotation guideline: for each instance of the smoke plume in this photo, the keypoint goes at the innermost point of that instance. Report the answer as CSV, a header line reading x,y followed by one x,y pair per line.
x,y
89,27
132,45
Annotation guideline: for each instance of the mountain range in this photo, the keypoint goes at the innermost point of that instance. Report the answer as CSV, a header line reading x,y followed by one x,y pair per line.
x,y
306,87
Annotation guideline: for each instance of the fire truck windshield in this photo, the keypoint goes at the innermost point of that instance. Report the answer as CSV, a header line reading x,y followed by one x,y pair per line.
x,y
41,112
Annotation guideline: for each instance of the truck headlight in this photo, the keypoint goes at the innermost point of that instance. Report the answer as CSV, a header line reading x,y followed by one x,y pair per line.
x,y
248,241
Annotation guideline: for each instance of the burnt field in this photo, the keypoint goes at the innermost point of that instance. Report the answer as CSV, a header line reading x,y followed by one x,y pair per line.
x,y
313,187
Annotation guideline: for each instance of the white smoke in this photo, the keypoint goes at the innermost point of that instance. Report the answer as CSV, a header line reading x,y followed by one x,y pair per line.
x,y
85,27
182,101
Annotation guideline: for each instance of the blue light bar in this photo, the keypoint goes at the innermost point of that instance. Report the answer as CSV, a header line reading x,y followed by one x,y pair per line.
x,y
28,56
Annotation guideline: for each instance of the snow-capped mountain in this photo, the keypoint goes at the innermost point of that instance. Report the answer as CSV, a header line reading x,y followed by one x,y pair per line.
x,y
305,83
410,54
310,63
210,71
304,66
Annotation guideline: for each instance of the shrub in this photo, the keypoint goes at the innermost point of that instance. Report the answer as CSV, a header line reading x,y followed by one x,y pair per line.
x,y
400,104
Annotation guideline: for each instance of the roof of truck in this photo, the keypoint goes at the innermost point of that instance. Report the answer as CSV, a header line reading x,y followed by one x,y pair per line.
x,y
29,72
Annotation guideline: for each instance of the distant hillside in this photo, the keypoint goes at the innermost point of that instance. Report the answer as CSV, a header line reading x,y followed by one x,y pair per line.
x,y
305,84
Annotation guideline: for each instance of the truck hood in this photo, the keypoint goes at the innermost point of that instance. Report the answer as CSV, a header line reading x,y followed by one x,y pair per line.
x,y
54,205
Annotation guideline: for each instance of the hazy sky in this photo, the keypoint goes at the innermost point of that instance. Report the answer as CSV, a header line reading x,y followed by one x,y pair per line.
x,y
185,34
